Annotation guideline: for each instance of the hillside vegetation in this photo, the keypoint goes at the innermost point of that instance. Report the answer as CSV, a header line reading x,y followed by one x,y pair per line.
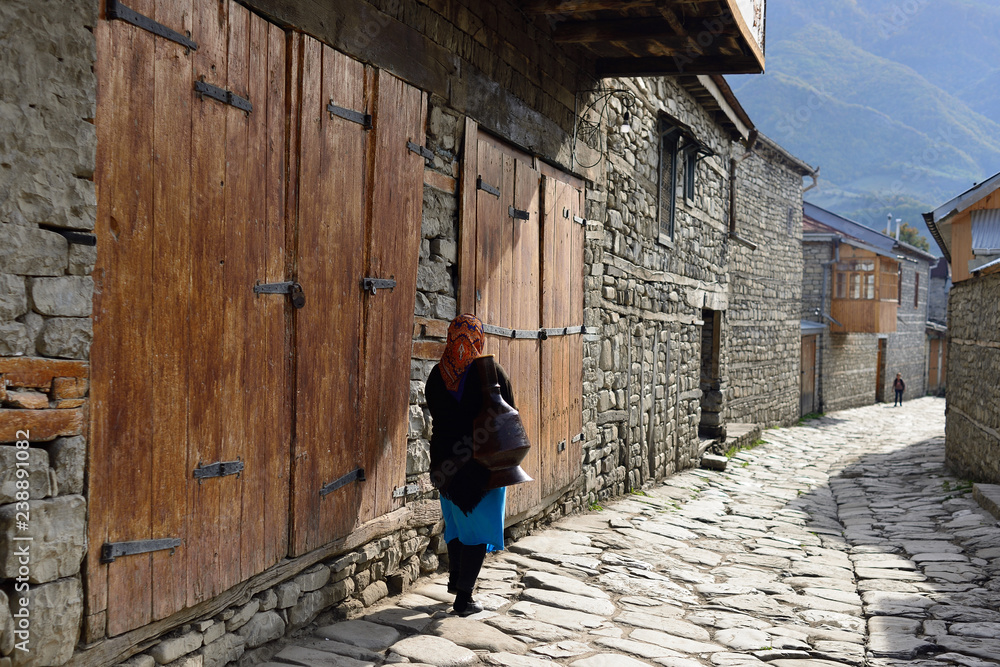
x,y
898,101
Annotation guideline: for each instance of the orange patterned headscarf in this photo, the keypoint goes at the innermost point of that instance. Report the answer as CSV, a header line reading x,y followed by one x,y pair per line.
x,y
465,343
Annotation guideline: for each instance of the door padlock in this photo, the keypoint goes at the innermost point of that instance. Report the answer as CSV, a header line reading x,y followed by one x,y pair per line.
x,y
298,297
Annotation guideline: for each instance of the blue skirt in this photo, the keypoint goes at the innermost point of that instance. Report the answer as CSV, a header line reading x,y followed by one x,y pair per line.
x,y
483,525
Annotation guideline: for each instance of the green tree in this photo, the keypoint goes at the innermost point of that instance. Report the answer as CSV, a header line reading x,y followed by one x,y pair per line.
x,y
909,234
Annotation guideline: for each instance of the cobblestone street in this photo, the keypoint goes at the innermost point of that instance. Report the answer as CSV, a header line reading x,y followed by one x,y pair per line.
x,y
839,542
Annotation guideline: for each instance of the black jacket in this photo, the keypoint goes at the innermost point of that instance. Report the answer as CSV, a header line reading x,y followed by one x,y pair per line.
x,y
460,478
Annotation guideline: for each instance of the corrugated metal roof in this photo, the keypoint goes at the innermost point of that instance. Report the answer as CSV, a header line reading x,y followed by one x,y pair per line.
x,y
990,265
986,231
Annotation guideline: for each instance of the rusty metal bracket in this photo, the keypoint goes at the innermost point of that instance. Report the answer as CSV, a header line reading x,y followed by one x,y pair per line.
x,y
218,469
113,550
363,119
356,475
116,10
486,187
422,151
222,95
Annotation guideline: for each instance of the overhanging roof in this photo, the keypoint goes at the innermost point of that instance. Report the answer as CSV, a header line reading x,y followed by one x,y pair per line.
x,y
942,214
887,244
660,37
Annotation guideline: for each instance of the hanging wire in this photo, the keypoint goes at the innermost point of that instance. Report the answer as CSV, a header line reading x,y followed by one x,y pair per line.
x,y
591,131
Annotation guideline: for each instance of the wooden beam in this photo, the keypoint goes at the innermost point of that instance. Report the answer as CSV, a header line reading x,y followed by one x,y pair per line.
x,y
667,66
579,6
626,29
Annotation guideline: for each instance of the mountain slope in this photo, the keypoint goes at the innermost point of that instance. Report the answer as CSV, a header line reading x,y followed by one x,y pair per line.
x,y
897,102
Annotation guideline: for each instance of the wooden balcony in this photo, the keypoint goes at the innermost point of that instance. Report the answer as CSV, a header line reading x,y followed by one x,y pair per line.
x,y
657,37
864,316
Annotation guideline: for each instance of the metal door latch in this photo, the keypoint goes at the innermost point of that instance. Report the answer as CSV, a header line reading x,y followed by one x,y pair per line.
x,y
372,285
218,469
293,289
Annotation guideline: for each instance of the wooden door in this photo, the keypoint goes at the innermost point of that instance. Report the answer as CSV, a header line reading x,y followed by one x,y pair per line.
x,y
359,190
189,366
807,376
562,356
507,283
880,371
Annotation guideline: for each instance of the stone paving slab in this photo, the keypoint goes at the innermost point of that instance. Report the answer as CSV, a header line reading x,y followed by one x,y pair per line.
x,y
841,543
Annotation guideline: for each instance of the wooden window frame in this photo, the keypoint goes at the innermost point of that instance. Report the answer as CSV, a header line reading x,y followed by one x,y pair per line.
x,y
916,289
669,149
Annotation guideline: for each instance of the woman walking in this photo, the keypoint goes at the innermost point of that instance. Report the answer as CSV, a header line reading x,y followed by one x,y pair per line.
x,y
473,513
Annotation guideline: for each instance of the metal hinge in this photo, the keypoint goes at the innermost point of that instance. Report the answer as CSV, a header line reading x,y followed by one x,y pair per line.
x,y
486,187
371,285
292,288
112,550
517,213
218,469
363,119
578,220
358,475
222,95
116,10
408,490
422,151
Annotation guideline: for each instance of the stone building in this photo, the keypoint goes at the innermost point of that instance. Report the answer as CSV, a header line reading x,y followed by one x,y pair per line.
x,y
762,324
870,292
232,236
967,229
937,327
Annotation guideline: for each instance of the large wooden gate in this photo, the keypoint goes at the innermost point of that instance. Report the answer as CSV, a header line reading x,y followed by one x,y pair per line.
x,y
197,370
522,272
360,195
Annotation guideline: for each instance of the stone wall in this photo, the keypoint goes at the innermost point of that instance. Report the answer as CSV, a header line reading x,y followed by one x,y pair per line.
x,y
937,299
906,349
644,298
972,431
47,157
848,370
814,300
763,333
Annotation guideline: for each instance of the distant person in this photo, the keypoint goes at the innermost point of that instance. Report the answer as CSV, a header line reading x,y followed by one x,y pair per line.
x,y
899,387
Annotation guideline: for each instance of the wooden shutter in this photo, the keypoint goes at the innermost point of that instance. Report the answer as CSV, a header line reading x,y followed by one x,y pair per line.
x,y
562,357
360,194
331,243
188,365
525,275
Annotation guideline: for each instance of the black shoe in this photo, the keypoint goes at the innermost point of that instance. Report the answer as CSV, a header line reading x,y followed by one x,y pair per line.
x,y
471,607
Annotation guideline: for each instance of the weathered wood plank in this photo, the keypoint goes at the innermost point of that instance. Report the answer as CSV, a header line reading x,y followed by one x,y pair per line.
x,y
237,284
129,292
41,425
278,407
396,211
33,374
261,436
171,279
328,329
467,222
39,372
208,256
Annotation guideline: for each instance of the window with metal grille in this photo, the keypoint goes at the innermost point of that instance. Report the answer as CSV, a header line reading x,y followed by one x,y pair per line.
x,y
667,209
690,169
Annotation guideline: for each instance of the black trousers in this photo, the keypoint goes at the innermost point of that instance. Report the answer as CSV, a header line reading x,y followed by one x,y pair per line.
x,y
464,563
899,397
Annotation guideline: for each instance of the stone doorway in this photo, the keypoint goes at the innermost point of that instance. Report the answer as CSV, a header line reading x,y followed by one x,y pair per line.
x,y
711,425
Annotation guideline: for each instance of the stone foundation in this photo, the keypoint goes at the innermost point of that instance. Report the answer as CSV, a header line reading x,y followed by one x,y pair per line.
x,y
972,445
